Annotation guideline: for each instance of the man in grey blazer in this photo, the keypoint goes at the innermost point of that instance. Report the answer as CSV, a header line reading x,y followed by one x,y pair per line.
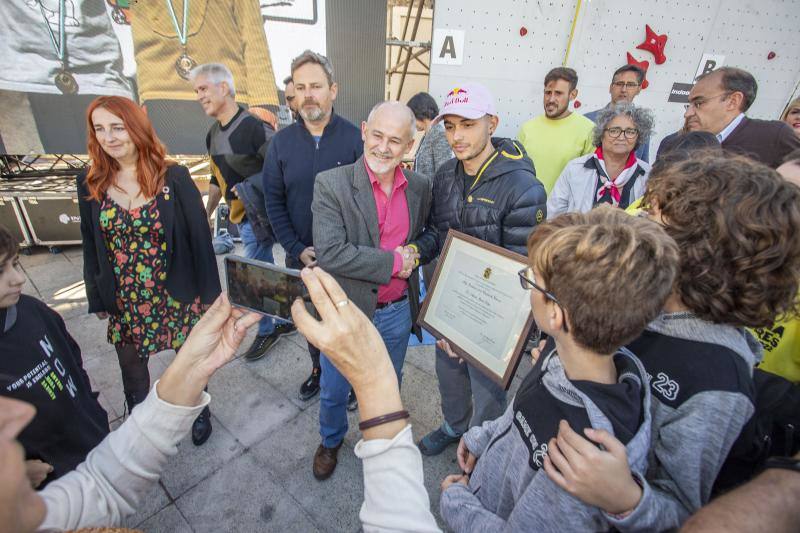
x,y
364,214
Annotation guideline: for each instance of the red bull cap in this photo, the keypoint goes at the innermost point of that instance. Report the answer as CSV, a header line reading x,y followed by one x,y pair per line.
x,y
470,100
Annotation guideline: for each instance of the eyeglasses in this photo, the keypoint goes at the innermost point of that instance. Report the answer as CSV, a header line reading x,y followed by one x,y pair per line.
x,y
527,280
700,102
615,132
625,84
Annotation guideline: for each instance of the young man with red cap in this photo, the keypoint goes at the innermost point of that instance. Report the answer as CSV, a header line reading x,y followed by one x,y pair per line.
x,y
490,191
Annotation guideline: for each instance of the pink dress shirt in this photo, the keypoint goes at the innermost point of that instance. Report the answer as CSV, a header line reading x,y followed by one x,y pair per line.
x,y
393,226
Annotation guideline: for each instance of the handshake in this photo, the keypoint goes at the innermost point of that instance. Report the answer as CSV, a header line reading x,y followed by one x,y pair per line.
x,y
410,260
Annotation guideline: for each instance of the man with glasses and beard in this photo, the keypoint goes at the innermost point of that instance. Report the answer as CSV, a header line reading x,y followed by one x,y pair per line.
x,y
319,140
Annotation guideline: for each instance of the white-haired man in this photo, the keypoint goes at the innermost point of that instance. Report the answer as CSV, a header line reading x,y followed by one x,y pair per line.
x,y
364,215
237,143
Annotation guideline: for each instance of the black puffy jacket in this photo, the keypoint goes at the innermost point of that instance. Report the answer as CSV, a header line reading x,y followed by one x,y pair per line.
x,y
503,204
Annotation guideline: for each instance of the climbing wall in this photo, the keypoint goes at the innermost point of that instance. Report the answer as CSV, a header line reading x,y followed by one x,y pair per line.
x,y
495,54
509,45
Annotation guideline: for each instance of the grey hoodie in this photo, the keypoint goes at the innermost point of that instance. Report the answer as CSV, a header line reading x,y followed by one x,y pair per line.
x,y
509,490
701,381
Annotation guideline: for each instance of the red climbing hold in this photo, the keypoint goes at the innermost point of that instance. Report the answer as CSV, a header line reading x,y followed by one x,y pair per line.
x,y
644,65
654,43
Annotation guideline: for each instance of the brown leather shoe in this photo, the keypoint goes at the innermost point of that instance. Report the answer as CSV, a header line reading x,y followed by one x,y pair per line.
x,y
325,460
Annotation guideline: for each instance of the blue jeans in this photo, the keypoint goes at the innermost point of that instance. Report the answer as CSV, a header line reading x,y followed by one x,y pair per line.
x,y
261,250
393,322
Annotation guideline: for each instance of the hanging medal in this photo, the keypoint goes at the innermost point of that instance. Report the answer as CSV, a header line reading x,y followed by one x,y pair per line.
x,y
64,80
184,64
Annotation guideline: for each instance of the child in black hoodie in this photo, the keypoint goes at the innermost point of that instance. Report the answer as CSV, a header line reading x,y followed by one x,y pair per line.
x,y
41,364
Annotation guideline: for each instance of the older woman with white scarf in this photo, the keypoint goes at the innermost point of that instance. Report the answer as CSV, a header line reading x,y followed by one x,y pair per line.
x,y
611,174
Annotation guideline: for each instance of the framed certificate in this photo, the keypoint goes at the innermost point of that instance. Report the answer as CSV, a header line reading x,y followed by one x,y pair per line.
x,y
476,303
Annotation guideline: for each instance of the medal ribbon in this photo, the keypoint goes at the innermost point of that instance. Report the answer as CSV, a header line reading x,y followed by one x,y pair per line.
x,y
182,35
61,46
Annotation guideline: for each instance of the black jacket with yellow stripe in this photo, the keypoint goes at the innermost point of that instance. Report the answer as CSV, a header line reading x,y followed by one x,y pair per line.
x,y
501,205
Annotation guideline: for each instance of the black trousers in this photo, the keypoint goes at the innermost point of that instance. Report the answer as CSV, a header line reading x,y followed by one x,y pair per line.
x,y
313,351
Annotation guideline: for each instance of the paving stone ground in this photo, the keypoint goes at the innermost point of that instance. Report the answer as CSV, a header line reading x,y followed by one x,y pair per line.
x,y
254,473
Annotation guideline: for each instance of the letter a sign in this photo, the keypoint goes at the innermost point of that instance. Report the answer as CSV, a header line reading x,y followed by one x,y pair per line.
x,y
447,47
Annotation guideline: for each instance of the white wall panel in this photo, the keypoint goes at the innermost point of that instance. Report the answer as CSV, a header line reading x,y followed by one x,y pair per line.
x,y
512,67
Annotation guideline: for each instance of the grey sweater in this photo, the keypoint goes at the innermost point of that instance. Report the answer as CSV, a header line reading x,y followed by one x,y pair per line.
x,y
509,490
432,152
701,381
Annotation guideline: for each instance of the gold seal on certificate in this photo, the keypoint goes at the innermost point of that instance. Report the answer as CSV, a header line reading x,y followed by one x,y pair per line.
x,y
476,303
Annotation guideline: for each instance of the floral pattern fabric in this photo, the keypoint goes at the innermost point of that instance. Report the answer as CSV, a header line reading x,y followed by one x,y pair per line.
x,y
148,317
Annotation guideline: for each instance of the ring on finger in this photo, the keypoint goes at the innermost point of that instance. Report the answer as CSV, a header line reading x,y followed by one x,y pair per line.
x,y
342,303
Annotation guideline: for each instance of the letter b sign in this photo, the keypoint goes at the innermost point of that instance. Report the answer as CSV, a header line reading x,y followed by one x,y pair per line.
x,y
709,63
447,47
709,66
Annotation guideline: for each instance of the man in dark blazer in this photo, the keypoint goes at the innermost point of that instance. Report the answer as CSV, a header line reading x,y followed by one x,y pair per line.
x,y
718,103
364,215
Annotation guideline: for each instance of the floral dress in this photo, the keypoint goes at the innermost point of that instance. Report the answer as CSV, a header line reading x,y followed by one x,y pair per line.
x,y
148,317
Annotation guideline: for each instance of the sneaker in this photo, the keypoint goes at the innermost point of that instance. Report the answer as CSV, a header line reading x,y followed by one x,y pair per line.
x,y
435,442
310,387
352,401
262,344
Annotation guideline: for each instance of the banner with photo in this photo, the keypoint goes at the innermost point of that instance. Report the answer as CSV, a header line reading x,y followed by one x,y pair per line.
x,y
56,56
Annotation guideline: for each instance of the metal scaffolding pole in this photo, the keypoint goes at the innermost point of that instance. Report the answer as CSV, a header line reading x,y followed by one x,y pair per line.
x,y
413,36
395,69
410,49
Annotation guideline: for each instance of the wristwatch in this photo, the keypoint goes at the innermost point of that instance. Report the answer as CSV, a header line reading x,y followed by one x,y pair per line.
x,y
784,463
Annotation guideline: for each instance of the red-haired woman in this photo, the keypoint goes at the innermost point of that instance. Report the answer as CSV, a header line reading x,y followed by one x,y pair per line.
x,y
148,262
